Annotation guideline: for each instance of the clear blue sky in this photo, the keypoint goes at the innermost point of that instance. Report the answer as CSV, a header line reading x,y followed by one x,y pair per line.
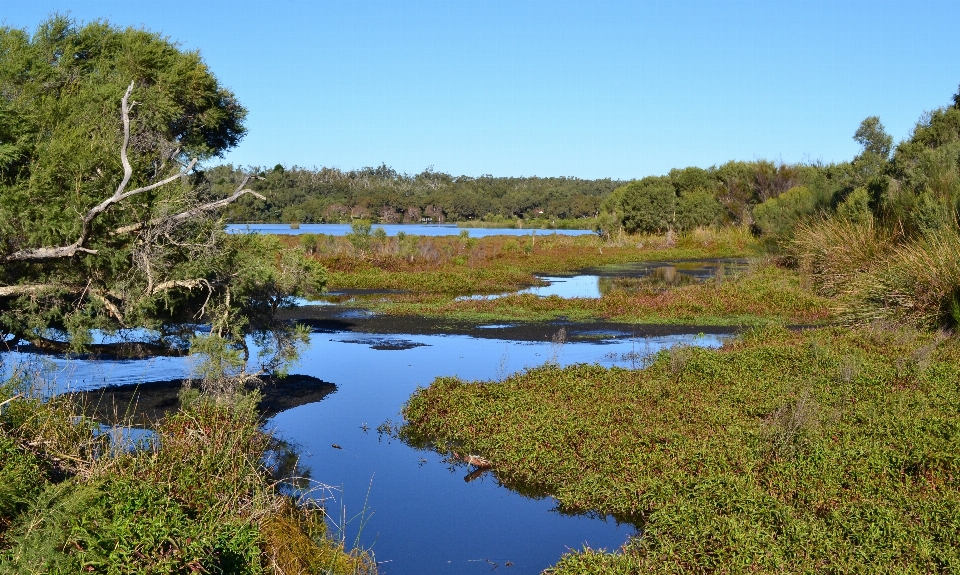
x,y
589,89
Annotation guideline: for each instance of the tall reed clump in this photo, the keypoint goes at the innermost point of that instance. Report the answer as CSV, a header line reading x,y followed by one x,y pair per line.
x,y
833,252
917,284
878,275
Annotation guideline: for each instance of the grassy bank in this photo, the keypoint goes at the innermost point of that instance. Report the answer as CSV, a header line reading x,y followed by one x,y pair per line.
x,y
830,450
461,265
201,497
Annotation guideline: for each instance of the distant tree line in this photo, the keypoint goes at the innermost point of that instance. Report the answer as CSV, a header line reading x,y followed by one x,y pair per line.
x,y
384,195
914,183
753,193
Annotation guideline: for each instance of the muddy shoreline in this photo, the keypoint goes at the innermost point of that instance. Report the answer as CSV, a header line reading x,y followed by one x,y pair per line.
x,y
333,319
144,403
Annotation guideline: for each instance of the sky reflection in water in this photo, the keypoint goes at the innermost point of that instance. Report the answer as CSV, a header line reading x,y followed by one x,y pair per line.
x,y
417,514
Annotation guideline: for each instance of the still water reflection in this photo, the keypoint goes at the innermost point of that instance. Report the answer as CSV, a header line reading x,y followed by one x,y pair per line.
x,y
630,277
416,513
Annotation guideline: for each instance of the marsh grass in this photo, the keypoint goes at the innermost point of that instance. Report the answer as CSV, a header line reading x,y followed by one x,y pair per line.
x,y
763,294
917,284
781,452
456,265
879,275
833,252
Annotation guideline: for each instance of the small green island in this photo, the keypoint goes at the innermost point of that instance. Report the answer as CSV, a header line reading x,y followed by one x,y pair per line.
x,y
820,434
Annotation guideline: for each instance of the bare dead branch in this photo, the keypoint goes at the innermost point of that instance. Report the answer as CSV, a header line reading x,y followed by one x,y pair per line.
x,y
195,211
189,284
213,205
114,311
7,291
79,246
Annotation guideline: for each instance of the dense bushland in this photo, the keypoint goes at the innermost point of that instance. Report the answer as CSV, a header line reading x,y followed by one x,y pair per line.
x,y
382,194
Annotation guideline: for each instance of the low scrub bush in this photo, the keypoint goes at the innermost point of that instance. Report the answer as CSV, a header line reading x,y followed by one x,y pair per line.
x,y
777,217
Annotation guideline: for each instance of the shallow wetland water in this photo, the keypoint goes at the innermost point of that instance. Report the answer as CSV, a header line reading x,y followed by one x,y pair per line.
x,y
415,511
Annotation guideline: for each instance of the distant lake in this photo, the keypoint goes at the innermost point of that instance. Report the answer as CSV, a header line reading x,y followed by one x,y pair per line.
x,y
393,229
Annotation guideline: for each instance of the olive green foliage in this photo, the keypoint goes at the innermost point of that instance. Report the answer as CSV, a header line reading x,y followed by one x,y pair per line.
x,y
61,134
61,129
21,479
856,206
777,217
646,206
697,208
921,190
874,139
819,451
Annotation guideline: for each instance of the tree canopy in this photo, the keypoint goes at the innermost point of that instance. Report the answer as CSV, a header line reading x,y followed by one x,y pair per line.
x,y
102,223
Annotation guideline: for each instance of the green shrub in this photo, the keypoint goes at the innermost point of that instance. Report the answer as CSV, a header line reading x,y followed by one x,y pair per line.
x,y
647,205
697,208
198,499
855,207
359,235
777,217
22,477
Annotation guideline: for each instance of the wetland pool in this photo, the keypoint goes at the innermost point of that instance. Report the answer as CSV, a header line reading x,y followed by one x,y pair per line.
x,y
413,509
593,283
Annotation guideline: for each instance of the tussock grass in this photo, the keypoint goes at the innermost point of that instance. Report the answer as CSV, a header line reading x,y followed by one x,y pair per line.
x,y
781,452
878,275
833,252
917,284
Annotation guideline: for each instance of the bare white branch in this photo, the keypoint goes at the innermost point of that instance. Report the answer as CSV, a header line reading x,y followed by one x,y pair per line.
x,y
119,195
195,211
189,284
7,291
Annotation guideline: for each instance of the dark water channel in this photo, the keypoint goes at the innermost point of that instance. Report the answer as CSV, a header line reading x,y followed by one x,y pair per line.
x,y
414,511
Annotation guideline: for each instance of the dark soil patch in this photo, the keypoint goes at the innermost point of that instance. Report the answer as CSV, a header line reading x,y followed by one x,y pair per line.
x,y
323,319
142,404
